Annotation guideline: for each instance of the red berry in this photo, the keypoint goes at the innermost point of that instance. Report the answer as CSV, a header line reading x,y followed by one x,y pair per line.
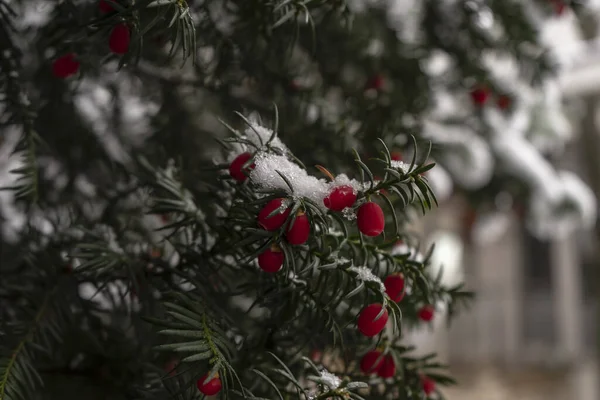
x,y
559,7
237,170
371,362
340,198
480,95
367,323
119,39
376,82
271,259
370,219
316,355
273,222
396,156
211,387
171,367
503,102
299,231
428,385
426,313
469,219
388,368
394,287
105,7
65,66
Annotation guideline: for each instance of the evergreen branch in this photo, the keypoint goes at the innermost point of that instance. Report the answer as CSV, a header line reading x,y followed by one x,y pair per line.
x,y
18,110
12,367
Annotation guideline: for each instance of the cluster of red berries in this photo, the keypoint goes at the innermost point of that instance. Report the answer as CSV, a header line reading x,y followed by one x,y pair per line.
x,y
118,42
370,217
481,95
368,323
271,218
375,362
211,387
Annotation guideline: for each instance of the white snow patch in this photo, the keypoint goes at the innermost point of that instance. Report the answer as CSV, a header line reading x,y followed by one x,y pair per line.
x,y
330,380
266,176
366,275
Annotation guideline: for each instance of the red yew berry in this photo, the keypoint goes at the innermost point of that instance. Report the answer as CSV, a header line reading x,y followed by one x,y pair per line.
x,y
119,39
105,7
271,217
396,156
370,219
340,198
271,259
503,102
171,367
299,231
376,82
394,287
368,323
480,95
388,367
155,253
65,66
316,355
371,362
67,269
428,385
237,170
426,313
559,7
211,387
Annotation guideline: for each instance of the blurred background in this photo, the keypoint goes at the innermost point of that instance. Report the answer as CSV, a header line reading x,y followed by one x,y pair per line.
x,y
534,330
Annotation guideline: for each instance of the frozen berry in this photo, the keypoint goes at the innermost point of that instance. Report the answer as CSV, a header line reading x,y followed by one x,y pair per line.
x,y
426,313
428,385
370,219
388,367
272,216
299,230
211,387
394,287
480,95
105,7
340,197
271,259
371,362
368,323
65,66
236,168
119,39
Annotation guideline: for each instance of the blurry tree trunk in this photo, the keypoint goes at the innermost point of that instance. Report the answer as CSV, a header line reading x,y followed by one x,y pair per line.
x,y
590,141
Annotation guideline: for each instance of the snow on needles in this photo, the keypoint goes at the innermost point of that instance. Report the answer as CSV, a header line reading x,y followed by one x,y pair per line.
x,y
270,169
267,175
364,274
